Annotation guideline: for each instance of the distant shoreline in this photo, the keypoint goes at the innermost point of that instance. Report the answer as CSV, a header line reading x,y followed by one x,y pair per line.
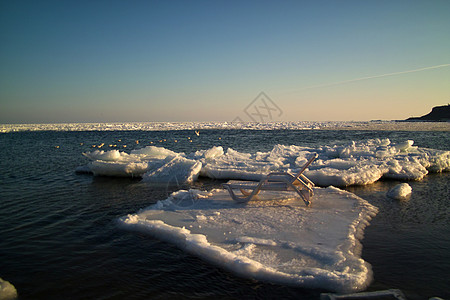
x,y
437,114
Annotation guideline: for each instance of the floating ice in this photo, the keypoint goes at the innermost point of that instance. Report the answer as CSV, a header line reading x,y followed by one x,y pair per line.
x,y
154,152
405,146
354,164
175,171
153,164
7,290
276,239
357,163
112,155
400,191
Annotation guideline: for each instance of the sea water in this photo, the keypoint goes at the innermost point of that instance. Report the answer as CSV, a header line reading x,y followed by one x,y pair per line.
x,y
59,237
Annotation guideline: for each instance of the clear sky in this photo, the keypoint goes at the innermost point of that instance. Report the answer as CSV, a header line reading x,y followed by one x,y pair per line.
x,y
106,61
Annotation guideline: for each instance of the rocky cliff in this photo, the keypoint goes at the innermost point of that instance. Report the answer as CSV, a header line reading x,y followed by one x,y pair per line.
x,y
438,113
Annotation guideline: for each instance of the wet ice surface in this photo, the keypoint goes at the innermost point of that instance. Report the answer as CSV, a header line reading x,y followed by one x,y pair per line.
x,y
275,238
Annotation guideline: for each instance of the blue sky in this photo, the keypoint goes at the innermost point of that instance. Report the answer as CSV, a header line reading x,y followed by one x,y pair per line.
x,y
106,61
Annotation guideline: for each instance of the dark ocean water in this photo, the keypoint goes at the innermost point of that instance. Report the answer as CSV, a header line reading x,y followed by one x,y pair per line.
x,y
59,238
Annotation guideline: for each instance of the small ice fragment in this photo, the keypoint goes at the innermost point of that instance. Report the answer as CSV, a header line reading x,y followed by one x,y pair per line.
x,y
200,218
403,147
400,191
386,294
7,290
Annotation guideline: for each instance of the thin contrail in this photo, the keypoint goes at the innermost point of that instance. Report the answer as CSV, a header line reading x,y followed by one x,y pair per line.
x,y
371,77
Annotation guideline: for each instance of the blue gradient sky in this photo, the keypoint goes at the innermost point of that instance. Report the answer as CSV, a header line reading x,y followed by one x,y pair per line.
x,y
100,61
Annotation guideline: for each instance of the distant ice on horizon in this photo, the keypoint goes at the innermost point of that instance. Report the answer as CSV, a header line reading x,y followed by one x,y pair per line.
x,y
298,125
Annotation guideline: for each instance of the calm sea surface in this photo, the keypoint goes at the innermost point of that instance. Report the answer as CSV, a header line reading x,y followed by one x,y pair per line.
x,y
59,238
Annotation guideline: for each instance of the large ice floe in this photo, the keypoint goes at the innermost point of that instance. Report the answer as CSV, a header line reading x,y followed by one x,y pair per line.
x,y
357,163
274,239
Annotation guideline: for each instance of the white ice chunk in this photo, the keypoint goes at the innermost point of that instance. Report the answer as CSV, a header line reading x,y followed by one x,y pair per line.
x,y
400,191
177,170
405,146
213,152
405,169
236,165
358,175
154,164
112,155
154,152
208,154
436,160
275,239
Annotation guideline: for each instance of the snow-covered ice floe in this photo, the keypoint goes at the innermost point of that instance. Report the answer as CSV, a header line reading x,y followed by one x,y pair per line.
x,y
153,164
357,163
276,239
